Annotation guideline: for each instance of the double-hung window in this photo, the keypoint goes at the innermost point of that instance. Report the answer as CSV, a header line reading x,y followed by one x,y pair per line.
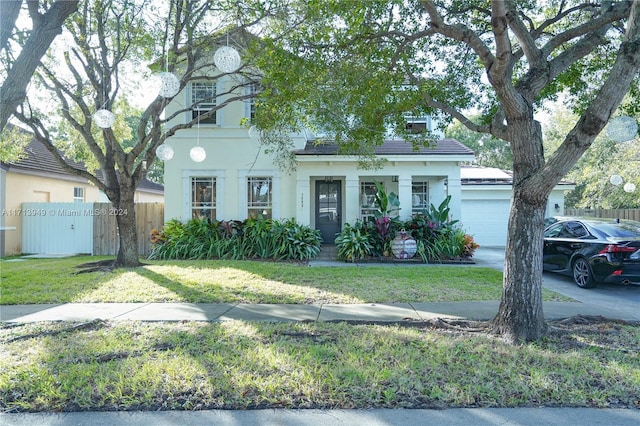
x,y
78,194
368,205
419,197
417,124
203,100
203,197
260,197
250,104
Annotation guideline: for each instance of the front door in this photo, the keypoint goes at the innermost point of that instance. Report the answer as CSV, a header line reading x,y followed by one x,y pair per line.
x,y
328,208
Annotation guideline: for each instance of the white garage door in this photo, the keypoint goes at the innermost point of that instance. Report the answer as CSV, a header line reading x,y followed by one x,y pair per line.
x,y
486,220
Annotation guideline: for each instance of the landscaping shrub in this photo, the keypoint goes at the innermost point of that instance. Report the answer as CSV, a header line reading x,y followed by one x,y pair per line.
x,y
437,237
353,243
254,238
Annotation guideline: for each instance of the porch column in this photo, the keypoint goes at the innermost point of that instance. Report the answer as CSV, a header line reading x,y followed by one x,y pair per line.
x,y
404,195
303,200
351,199
455,190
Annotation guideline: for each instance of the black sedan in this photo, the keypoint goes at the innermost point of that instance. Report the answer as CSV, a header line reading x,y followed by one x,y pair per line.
x,y
593,250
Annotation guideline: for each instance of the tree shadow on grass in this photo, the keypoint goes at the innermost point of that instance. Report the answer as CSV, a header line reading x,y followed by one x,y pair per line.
x,y
242,365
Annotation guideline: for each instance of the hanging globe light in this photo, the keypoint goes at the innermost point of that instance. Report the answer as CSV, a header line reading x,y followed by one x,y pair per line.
x,y
198,154
164,152
622,129
227,59
615,180
169,85
629,187
104,118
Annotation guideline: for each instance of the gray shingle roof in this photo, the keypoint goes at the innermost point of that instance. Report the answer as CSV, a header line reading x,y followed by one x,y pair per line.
x,y
392,147
40,161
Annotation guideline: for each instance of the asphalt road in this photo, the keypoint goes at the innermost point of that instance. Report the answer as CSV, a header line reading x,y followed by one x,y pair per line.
x,y
609,297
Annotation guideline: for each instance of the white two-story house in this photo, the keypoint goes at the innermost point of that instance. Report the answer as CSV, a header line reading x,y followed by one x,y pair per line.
x,y
237,179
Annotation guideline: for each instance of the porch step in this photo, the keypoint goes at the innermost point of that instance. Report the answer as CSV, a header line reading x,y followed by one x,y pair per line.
x,y
328,252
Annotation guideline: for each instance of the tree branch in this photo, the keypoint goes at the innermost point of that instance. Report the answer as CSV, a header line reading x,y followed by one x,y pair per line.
x,y
598,113
45,28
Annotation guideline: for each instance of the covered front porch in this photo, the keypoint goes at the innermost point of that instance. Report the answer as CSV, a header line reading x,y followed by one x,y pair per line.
x,y
333,189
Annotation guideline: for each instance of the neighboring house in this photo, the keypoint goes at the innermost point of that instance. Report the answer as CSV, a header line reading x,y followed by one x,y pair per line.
x,y
486,200
39,178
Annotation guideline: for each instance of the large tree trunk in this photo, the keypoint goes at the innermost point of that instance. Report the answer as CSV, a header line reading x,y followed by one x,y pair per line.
x,y
128,235
520,316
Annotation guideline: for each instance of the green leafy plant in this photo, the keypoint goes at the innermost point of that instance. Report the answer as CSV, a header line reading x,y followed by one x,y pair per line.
x,y
298,242
387,205
426,251
254,238
440,215
385,219
353,242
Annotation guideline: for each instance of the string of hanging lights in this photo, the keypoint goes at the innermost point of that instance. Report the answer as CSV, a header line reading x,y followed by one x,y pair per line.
x,y
622,129
226,59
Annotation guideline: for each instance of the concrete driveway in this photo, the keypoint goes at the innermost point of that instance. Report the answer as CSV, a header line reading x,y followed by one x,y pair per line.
x,y
611,299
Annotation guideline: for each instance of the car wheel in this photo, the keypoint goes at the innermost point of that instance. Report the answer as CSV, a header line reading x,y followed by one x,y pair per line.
x,y
582,274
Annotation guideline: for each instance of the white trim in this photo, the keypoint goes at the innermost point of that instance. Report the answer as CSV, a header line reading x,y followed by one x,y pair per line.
x,y
187,174
276,199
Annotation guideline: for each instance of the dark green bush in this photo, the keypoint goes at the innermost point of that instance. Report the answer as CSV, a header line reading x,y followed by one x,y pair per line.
x,y
255,238
353,243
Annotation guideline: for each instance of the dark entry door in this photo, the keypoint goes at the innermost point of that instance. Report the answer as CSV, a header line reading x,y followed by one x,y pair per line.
x,y
328,208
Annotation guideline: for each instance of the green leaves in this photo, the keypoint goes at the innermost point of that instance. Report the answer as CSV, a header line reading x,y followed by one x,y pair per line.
x,y
255,238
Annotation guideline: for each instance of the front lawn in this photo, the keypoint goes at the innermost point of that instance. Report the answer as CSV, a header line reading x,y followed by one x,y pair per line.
x,y
129,365
242,365
24,281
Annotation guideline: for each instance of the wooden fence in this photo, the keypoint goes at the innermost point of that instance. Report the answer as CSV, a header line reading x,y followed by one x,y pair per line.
x,y
105,230
631,214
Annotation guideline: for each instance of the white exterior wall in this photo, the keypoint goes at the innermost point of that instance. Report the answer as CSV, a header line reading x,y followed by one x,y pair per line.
x,y
232,156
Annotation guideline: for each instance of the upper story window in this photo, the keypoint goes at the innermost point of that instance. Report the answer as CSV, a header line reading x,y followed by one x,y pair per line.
x,y
203,99
418,124
203,197
78,195
250,104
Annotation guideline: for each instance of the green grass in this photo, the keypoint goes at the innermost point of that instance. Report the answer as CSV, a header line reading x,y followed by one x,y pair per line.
x,y
61,366
26,281
239,365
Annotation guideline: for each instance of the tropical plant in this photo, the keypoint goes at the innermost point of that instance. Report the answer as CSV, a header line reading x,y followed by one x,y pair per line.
x,y
440,215
426,251
262,233
254,238
469,246
387,205
353,242
298,242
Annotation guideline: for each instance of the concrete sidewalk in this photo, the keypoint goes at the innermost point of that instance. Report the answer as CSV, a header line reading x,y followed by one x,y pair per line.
x,y
391,312
378,417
